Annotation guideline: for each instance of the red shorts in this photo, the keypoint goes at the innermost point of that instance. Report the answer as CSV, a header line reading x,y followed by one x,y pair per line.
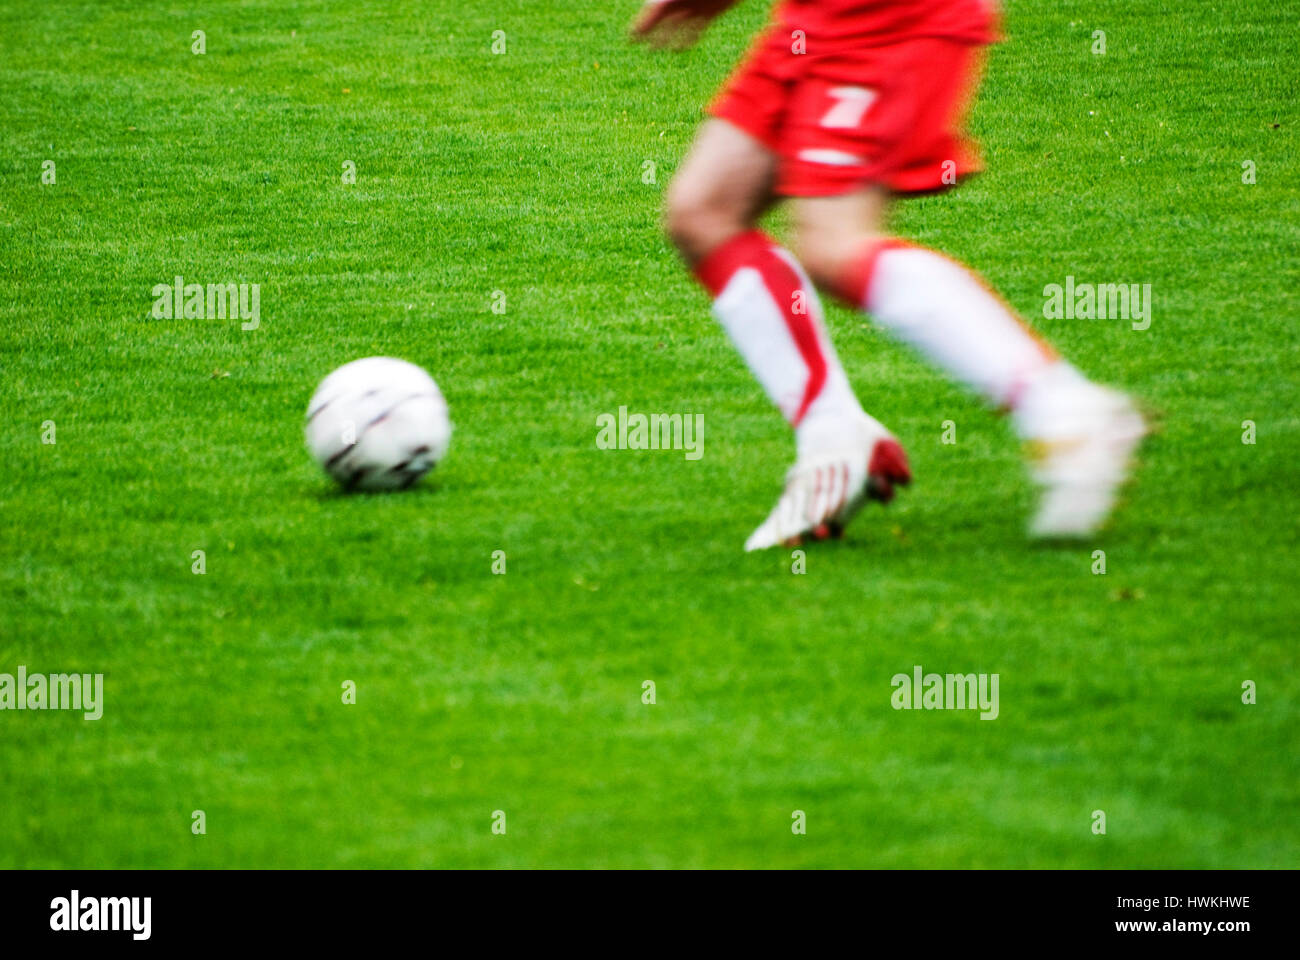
x,y
889,115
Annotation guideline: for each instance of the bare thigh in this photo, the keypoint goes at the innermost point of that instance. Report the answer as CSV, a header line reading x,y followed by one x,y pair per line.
x,y
720,190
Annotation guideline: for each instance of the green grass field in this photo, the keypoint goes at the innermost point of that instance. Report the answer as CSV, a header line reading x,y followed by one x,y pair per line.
x,y
523,173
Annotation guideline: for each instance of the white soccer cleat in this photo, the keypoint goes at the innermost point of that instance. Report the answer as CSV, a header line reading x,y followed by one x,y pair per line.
x,y
1083,466
824,491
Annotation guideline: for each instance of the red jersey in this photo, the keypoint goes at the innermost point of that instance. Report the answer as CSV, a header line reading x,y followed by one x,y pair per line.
x,y
835,25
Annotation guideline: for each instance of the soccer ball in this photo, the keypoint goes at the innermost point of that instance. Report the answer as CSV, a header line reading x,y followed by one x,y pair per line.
x,y
377,424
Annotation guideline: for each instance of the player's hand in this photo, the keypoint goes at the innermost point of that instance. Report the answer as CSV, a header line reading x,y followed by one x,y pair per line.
x,y
675,24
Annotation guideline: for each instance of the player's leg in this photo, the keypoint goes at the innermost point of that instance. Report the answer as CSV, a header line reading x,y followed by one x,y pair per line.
x,y
929,301
1083,434
720,190
762,297
771,311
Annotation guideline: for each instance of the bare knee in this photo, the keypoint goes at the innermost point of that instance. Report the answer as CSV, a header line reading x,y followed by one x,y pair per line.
x,y
828,256
832,235
698,219
720,189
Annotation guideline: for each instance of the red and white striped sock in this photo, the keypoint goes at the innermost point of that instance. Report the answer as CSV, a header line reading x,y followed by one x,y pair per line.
x,y
950,315
770,309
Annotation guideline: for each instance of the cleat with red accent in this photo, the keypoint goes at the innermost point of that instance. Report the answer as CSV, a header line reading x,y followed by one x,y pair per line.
x,y
823,491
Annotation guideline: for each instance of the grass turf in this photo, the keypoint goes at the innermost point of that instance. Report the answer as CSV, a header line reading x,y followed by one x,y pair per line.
x,y
523,173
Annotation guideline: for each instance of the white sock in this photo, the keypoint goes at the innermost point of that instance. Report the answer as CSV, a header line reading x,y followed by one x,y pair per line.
x,y
770,309
947,313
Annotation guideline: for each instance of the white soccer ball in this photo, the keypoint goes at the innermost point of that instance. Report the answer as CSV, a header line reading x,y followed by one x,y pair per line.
x,y
378,424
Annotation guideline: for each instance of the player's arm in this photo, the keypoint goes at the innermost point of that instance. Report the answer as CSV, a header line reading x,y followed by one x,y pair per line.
x,y
676,23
